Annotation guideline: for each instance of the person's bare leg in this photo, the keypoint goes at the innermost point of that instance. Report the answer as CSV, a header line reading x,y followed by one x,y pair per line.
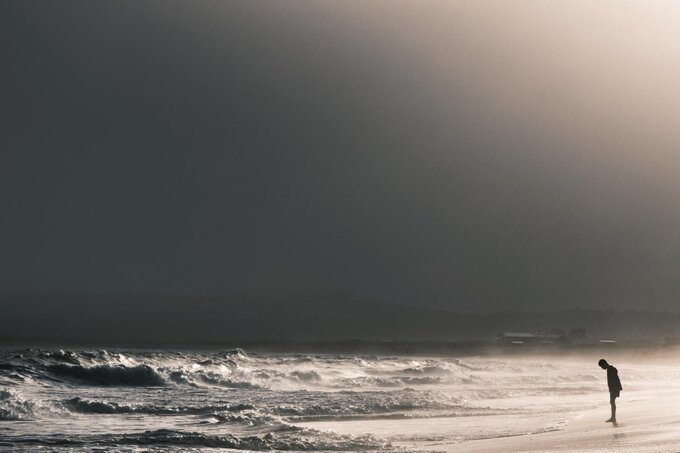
x,y
612,402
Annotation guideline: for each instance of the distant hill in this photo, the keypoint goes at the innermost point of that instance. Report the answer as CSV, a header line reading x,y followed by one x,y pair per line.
x,y
159,320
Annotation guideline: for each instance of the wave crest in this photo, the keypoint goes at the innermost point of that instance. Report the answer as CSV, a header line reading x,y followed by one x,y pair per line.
x,y
118,375
14,407
82,405
294,439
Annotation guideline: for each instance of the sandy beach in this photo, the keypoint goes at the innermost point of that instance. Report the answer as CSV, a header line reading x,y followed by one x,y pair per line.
x,y
77,401
647,422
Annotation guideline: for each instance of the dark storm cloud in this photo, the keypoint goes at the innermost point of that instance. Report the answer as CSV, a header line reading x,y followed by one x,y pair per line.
x,y
430,154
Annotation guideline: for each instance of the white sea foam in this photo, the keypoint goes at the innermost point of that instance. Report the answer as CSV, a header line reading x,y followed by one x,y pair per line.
x,y
238,400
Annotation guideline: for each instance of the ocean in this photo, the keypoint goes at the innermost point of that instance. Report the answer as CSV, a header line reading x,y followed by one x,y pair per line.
x,y
235,400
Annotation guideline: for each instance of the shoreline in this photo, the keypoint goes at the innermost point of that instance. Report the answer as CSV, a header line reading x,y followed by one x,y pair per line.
x,y
647,421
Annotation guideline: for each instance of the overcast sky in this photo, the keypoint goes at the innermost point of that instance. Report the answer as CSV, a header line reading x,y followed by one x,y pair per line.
x,y
472,155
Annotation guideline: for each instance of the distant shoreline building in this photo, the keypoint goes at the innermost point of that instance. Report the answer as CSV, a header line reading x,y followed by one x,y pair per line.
x,y
534,339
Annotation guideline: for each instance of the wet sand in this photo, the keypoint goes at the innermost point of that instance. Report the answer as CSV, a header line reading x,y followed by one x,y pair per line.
x,y
647,422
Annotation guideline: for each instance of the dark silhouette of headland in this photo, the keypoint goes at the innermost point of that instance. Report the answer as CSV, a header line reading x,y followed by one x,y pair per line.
x,y
158,320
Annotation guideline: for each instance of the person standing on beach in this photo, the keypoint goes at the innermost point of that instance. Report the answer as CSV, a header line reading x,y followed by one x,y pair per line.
x,y
614,384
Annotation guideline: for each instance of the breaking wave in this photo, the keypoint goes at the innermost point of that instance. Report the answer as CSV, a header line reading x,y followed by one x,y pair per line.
x,y
295,440
117,375
82,405
393,381
198,378
13,407
16,407
349,405
263,401
436,370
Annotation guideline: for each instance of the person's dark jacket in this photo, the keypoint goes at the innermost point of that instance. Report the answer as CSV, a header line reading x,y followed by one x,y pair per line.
x,y
613,379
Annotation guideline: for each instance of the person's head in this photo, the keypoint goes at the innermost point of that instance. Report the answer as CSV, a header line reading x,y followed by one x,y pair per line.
x,y
603,364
